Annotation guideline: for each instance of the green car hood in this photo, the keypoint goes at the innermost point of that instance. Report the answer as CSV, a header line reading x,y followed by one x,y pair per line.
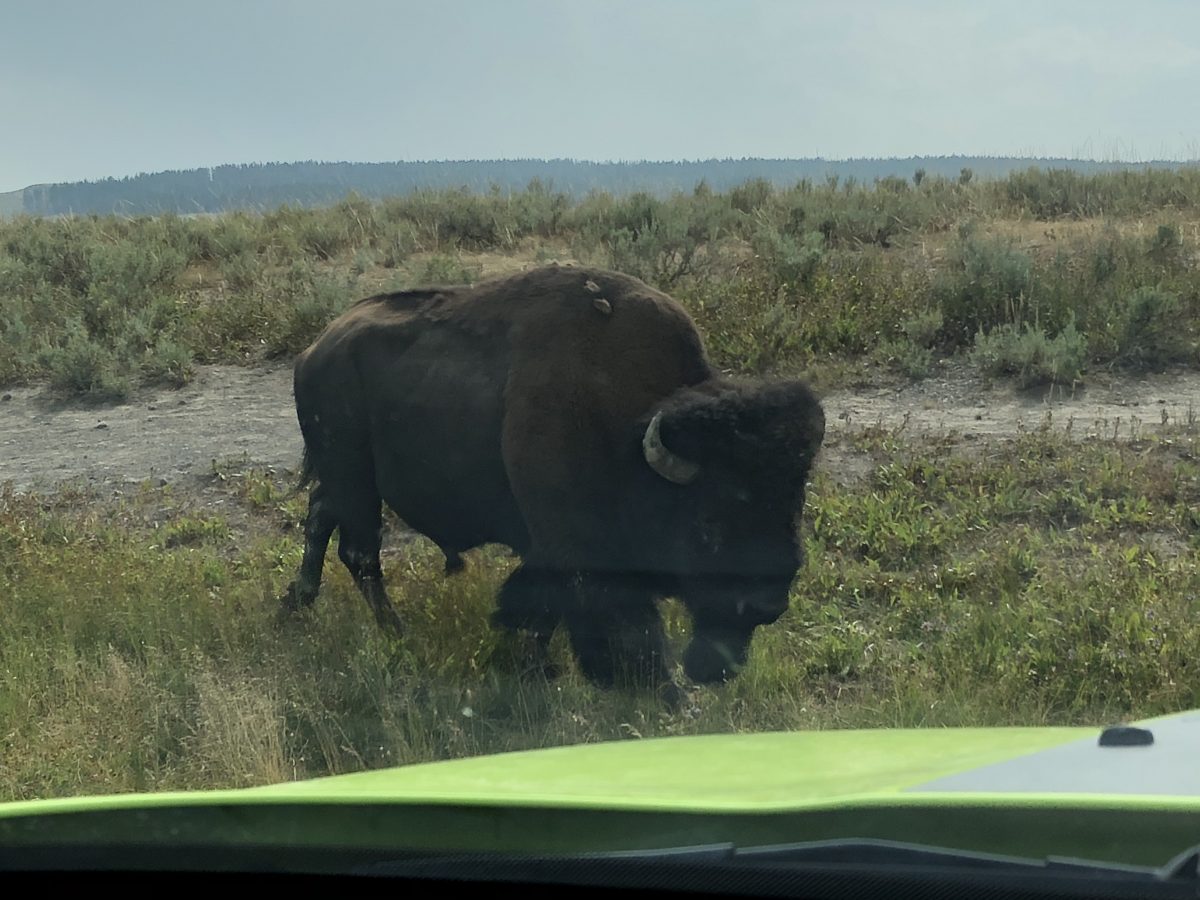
x,y
1020,791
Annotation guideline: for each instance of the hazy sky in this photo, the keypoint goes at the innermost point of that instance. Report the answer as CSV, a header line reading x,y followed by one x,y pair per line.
x,y
90,89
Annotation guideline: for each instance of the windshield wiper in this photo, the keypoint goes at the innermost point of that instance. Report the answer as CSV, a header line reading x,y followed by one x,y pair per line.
x,y
831,868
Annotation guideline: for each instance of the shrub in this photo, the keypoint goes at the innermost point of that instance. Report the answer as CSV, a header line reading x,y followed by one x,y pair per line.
x,y
85,368
1056,193
397,244
322,235
54,251
751,195
842,268
749,324
1150,334
312,303
128,271
1030,356
984,285
538,210
1052,193
226,236
791,261
445,270
907,358
659,241
242,271
168,361
364,259
449,219
922,330
1165,246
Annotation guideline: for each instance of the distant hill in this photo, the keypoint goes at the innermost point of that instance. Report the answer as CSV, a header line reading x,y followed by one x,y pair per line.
x,y
12,203
268,185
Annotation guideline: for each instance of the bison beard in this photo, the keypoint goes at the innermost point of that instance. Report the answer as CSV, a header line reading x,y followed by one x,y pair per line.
x,y
594,439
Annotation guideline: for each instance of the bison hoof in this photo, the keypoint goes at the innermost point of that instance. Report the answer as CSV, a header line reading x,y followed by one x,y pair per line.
x,y
543,670
389,621
294,599
284,615
672,696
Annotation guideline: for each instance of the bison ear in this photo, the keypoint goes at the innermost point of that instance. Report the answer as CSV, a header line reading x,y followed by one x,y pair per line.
x,y
790,417
812,425
799,434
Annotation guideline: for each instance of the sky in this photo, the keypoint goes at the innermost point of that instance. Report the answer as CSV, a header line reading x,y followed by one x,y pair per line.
x,y
90,90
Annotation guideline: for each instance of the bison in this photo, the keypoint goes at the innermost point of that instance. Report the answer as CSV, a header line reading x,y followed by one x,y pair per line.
x,y
571,414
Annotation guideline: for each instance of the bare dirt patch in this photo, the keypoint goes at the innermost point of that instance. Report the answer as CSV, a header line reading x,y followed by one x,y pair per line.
x,y
247,414
161,435
959,401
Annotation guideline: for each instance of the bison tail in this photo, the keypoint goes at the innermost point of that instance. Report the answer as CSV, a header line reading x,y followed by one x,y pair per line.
x,y
308,471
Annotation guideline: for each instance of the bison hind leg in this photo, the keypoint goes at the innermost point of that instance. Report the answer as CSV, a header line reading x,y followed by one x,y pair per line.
x,y
454,561
358,549
318,528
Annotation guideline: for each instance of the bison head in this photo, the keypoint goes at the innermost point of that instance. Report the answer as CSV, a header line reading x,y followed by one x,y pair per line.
x,y
731,464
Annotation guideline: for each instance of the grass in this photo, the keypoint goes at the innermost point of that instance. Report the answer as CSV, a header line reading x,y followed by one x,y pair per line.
x,y
1049,581
1036,580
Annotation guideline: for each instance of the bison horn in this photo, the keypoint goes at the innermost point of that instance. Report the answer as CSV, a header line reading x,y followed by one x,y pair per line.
x,y
671,467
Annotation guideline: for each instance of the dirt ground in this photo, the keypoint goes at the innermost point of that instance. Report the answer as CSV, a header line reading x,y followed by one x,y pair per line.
x,y
246,414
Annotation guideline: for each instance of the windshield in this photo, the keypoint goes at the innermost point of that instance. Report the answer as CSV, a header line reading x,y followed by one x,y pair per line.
x,y
410,382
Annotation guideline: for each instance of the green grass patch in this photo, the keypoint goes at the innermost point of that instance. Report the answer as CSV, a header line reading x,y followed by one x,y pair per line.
x,y
1050,582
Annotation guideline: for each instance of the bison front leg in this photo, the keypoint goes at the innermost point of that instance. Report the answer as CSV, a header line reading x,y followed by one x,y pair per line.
x,y
617,633
532,600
